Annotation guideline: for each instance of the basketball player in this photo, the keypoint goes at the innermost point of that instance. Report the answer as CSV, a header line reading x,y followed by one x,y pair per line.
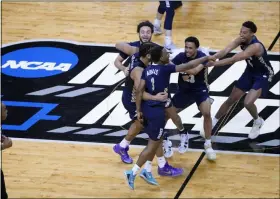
x,y
255,79
155,79
193,87
133,131
169,8
138,62
145,31
5,143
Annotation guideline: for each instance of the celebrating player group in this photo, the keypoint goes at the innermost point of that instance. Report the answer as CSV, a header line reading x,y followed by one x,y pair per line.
x,y
147,97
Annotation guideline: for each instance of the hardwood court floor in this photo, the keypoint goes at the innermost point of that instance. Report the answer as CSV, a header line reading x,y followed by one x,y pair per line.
x,y
36,169
214,23
67,170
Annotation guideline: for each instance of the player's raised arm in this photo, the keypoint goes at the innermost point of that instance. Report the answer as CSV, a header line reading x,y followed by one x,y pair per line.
x,y
126,48
255,49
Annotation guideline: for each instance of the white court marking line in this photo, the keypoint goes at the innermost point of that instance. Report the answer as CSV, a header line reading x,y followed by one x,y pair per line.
x,y
137,146
99,44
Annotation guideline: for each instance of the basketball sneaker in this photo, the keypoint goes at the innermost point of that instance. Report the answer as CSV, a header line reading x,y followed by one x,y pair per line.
x,y
167,148
130,178
157,30
168,170
210,153
123,153
148,177
184,143
255,131
170,47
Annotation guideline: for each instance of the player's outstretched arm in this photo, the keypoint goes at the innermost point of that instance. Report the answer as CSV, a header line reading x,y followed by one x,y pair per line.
x,y
195,70
255,49
192,64
234,44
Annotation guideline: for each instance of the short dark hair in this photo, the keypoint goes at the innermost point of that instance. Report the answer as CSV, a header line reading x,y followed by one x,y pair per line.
x,y
251,25
156,52
145,23
193,40
145,48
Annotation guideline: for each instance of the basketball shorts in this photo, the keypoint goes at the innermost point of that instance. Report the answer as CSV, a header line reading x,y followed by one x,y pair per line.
x,y
154,121
184,98
249,81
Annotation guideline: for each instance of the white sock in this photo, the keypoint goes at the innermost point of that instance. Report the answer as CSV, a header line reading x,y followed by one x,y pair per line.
x,y
207,142
258,120
124,143
161,161
157,23
135,169
168,40
148,166
214,121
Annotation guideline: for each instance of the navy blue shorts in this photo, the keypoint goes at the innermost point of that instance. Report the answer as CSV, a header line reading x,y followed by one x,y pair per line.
x,y
154,121
249,81
172,4
182,99
130,107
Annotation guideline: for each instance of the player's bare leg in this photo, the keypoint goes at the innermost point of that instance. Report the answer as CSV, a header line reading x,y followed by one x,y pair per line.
x,y
205,109
249,101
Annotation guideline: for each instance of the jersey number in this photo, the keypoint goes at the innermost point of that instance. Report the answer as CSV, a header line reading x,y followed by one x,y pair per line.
x,y
189,78
153,83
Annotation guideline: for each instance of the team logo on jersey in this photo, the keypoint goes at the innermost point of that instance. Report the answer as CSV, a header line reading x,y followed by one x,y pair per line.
x,y
72,91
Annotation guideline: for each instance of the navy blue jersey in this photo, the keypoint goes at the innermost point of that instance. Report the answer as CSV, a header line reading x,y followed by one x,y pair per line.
x,y
259,65
157,80
194,82
129,90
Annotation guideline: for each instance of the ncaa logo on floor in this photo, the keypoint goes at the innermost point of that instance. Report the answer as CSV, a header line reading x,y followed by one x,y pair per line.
x,y
38,62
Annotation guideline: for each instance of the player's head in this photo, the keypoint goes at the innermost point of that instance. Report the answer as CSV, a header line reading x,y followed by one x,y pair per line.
x,y
144,50
159,54
247,31
191,46
4,111
145,30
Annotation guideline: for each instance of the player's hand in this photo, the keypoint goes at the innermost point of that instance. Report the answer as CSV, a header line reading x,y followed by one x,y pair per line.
x,y
162,96
210,63
125,71
6,143
211,58
140,116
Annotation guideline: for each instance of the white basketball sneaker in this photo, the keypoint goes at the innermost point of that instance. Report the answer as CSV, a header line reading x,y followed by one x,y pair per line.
x,y
157,30
210,153
167,148
184,143
255,131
